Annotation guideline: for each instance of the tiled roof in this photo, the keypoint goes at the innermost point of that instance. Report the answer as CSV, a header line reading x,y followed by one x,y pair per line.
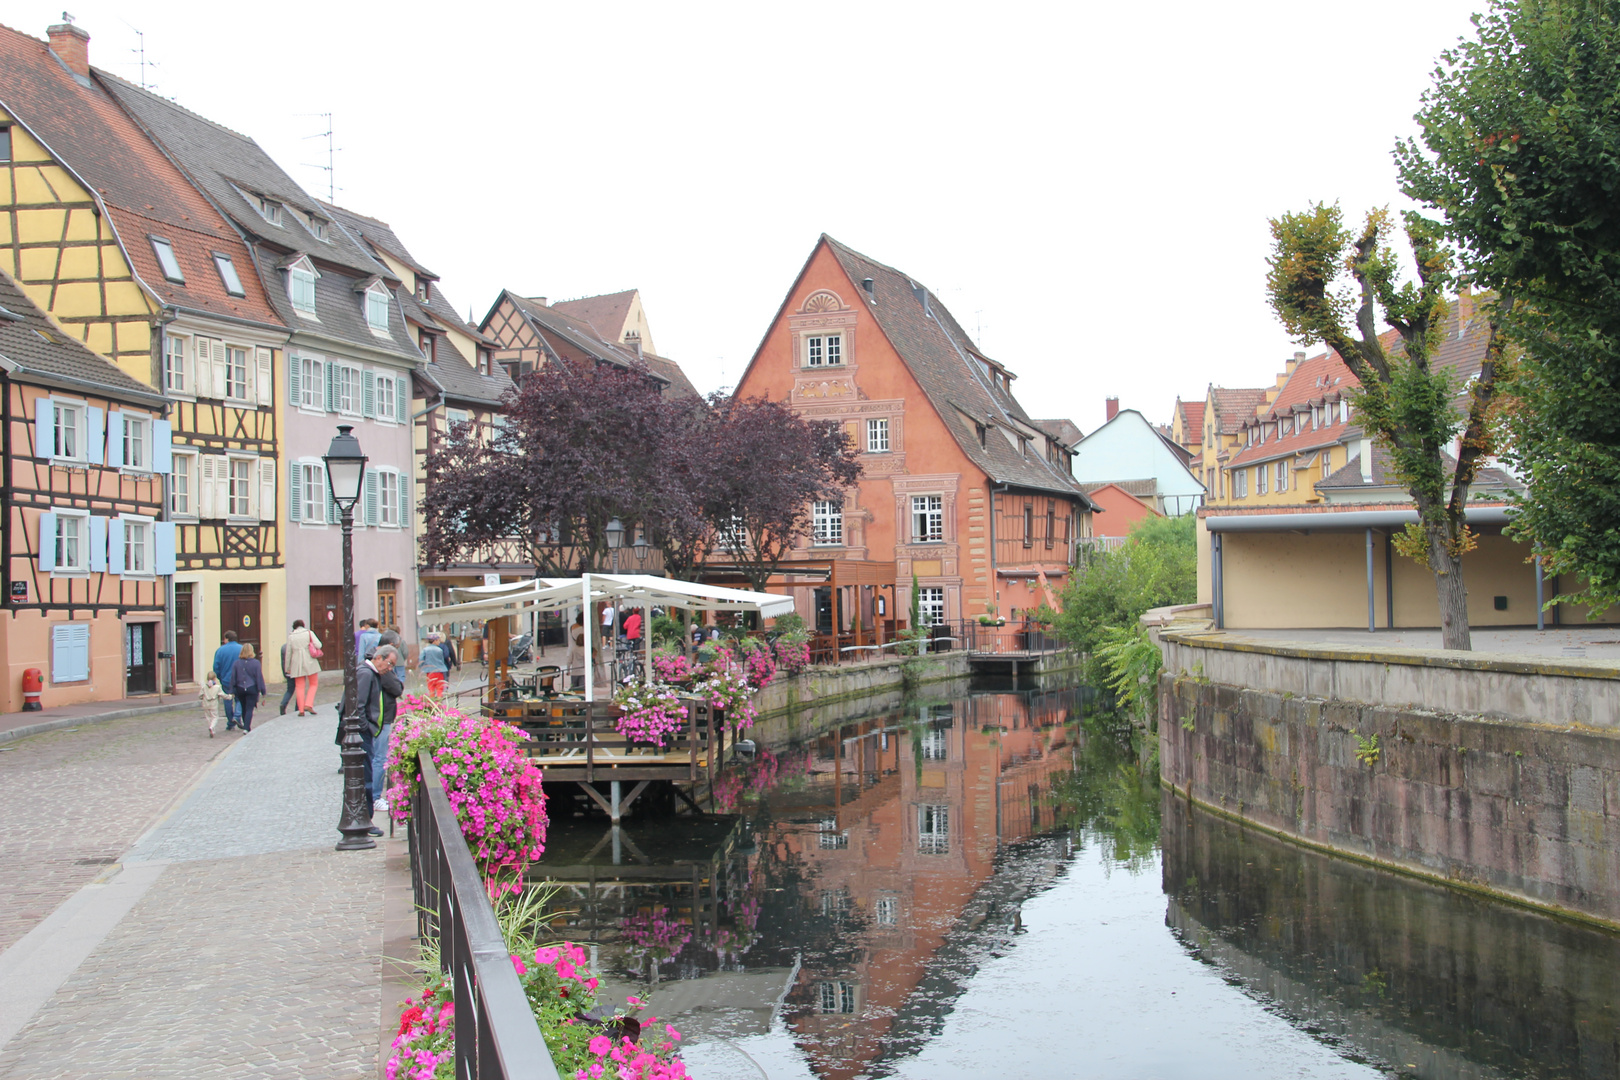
x,y
606,313
144,193
1234,408
1192,419
456,378
679,385
1137,489
1063,430
1349,477
37,349
947,365
582,336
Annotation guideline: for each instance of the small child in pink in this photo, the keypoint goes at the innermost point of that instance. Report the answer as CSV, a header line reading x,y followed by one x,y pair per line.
x,y
210,701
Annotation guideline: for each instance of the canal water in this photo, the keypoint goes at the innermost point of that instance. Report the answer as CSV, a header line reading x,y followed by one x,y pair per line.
x,y
989,882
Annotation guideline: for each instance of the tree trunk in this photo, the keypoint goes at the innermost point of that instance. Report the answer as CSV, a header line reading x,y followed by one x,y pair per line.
x,y
1453,593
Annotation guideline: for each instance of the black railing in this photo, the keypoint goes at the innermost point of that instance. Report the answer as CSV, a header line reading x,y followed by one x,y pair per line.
x,y
497,1037
1008,638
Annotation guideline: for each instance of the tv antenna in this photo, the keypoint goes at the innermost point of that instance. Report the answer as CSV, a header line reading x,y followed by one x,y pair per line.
x,y
140,55
331,156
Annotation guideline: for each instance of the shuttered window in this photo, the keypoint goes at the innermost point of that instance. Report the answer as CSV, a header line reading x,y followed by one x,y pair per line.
x,y
70,652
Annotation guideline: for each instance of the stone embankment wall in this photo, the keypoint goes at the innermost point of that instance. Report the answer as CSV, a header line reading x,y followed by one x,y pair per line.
x,y
1492,773
824,685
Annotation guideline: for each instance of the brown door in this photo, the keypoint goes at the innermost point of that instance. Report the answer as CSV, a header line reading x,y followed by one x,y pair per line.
x,y
239,611
185,647
388,603
326,619
140,656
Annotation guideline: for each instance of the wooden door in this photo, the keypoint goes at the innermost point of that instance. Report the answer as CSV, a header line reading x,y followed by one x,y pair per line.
x,y
140,658
239,611
388,604
185,645
326,619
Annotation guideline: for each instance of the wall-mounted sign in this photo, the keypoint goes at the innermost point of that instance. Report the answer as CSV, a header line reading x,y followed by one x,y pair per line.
x,y
19,590
492,579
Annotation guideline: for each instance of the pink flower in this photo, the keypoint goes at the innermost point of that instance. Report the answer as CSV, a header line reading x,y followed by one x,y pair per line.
x,y
517,962
672,1033
565,970
601,1045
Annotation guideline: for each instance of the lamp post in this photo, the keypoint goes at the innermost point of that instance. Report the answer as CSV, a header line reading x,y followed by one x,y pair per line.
x,y
345,468
615,539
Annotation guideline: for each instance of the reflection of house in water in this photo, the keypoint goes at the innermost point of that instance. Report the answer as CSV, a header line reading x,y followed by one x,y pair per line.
x,y
902,838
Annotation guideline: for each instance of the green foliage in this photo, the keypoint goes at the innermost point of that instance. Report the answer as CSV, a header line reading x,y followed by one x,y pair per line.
x,y
1520,155
668,631
791,623
1131,663
1157,566
1367,749
1111,798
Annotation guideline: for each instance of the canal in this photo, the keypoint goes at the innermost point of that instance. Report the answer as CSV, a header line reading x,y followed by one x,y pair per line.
x,y
988,881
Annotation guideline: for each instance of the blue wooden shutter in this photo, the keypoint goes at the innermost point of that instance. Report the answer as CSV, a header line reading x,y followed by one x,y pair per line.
x,y
404,499
162,446
96,537
163,542
402,399
331,387
115,439
368,396
93,436
44,427
295,492
47,539
115,544
70,652
371,496
293,364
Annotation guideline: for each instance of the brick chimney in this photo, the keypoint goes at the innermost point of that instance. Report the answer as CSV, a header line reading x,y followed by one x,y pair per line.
x,y
71,46
1112,405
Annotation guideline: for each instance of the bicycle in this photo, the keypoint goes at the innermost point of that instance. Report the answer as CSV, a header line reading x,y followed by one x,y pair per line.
x,y
628,665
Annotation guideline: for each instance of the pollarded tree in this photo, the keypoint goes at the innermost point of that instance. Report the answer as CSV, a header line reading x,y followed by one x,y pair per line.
x,y
770,465
1406,403
1520,154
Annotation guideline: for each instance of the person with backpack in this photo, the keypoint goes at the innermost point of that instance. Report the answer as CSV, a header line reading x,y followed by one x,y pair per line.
x,y
247,684
303,665
378,701
225,658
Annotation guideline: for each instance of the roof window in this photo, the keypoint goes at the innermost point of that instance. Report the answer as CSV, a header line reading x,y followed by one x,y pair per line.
x,y
5,142
424,289
317,228
270,210
377,309
227,274
166,260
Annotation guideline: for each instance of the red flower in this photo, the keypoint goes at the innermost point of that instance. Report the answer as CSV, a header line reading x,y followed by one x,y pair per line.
x,y
409,1018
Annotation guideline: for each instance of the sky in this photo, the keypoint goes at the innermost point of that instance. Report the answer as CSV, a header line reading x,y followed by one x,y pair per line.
x,y
1086,186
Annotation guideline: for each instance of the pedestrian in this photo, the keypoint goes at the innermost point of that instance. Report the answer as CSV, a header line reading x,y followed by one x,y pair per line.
x,y
632,627
247,683
393,688
433,665
287,694
607,621
368,639
211,693
225,658
303,666
574,661
376,714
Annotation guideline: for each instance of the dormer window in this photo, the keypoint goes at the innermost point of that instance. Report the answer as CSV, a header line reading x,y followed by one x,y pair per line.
x,y
227,274
427,346
377,309
166,260
424,289
270,210
301,286
317,228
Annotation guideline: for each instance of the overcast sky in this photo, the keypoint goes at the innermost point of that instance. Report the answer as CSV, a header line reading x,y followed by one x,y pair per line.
x,y
1086,186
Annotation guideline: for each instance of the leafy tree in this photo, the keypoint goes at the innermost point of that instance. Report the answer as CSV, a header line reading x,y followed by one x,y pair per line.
x,y
770,464
1520,155
1405,401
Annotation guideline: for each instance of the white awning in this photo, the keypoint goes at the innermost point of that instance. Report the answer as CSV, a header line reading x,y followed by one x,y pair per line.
x,y
550,594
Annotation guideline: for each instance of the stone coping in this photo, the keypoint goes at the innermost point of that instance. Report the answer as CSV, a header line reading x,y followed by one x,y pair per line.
x,y
1505,663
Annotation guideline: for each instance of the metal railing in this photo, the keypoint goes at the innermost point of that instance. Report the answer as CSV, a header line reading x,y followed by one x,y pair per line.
x,y
1000,640
497,1037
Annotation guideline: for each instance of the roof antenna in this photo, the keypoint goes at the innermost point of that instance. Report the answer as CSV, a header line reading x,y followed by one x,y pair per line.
x,y
139,51
331,156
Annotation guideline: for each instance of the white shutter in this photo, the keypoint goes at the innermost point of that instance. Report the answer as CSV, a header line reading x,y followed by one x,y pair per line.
x,y
204,380
217,355
295,491
267,489
266,369
47,539
209,503
115,545
162,446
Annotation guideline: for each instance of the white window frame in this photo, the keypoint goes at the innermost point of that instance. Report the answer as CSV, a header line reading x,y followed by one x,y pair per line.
x,y
300,274
387,390
1327,463
311,386
836,997
228,275
249,373
140,539
168,263
312,495
81,414
824,350
827,523
270,210
351,374
177,361
82,567
1260,477
137,437
877,435
184,474
1282,475
375,302
933,829
231,464
886,910
1240,483
388,516
927,519
930,598
1344,410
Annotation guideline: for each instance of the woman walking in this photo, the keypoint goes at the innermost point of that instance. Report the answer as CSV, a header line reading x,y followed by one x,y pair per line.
x,y
247,683
304,665
433,664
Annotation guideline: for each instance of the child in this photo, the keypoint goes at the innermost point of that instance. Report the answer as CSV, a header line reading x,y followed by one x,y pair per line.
x,y
210,701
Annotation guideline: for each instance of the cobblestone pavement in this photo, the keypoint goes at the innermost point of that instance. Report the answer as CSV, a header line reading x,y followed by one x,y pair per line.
x,y
266,965
76,800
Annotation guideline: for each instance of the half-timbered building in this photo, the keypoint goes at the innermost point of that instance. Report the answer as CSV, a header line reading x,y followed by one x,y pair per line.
x,y
961,490
135,261
86,552
349,360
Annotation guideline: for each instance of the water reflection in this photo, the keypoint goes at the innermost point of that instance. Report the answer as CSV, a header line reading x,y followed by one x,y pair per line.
x,y
900,891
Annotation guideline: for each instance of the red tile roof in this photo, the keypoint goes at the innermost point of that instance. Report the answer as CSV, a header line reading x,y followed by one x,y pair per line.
x,y
1234,408
1192,420
606,314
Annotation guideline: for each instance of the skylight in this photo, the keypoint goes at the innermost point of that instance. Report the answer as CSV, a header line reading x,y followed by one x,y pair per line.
x,y
227,274
166,260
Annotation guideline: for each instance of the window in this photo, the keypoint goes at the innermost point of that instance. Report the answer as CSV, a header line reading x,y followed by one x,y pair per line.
x,y
137,546
345,396
174,365
829,837
236,372
137,436
931,604
270,210
301,288
453,417
424,289
72,540
1029,525
307,375
5,142
1327,464
427,346
877,436
240,495
836,997
70,431
182,486
927,519
827,523
166,260
1260,479
317,228
886,911
377,309
1344,411
387,399
824,350
1051,521
933,829
1240,483
387,497
307,499
70,652
227,274
936,744
1282,476
1316,416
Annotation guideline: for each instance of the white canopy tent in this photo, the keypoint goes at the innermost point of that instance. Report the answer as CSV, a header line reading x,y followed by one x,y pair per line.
x,y
640,590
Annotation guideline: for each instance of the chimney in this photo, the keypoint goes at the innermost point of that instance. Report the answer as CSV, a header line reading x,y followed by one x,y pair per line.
x,y
1113,407
871,288
633,338
71,46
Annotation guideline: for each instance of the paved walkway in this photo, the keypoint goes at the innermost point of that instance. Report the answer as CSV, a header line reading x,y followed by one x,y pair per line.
x,y
228,939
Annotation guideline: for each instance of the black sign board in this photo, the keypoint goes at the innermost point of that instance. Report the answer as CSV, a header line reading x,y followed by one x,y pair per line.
x,y
19,590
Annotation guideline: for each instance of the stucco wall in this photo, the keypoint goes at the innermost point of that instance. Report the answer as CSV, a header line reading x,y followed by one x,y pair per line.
x,y
1495,774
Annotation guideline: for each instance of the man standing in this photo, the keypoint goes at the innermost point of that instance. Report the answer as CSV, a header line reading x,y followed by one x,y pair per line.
x,y
225,658
376,703
368,639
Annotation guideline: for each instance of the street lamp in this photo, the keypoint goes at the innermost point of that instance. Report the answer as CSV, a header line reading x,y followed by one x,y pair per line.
x,y
615,539
642,545
345,468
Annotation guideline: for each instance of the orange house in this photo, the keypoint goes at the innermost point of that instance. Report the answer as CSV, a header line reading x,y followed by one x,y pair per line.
x,y
1121,509
960,487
